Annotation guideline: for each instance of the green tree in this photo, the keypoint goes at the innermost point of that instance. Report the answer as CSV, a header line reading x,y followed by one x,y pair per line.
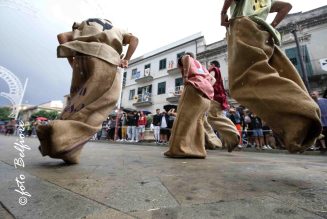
x,y
4,113
149,119
52,115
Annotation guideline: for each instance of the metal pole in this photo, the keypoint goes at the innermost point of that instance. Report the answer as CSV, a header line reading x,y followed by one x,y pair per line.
x,y
304,70
21,99
121,72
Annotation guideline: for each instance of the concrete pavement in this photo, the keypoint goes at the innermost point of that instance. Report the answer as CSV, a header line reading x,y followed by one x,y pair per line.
x,y
137,181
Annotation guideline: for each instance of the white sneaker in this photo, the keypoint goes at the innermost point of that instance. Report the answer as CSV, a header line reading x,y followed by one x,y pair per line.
x,y
240,146
268,146
265,147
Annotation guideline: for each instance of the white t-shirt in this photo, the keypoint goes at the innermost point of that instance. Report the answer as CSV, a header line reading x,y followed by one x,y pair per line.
x,y
163,122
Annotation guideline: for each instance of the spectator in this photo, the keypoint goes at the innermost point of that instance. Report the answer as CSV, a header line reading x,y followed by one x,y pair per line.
x,y
249,130
164,129
112,128
269,140
129,123
134,124
322,103
156,121
172,116
123,120
10,126
234,115
257,131
141,125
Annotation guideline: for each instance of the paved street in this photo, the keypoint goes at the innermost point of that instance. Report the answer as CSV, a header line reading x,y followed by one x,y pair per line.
x,y
137,181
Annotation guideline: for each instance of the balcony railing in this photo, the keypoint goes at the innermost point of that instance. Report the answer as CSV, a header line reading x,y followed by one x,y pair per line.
x,y
174,71
146,78
142,100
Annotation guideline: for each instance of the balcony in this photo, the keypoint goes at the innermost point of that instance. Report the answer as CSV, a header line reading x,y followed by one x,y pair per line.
x,y
173,71
146,78
175,94
143,100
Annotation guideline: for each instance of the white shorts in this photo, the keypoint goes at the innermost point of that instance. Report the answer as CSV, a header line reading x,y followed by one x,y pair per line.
x,y
141,128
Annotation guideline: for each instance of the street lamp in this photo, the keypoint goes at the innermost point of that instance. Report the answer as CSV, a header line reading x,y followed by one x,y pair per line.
x,y
304,70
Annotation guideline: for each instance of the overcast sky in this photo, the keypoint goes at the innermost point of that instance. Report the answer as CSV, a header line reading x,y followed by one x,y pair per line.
x,y
28,33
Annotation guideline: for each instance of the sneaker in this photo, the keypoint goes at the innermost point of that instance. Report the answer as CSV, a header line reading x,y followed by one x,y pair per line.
x,y
265,147
268,146
239,146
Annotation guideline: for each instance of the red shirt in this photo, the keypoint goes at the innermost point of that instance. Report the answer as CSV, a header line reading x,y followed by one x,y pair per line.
x,y
219,91
142,120
197,75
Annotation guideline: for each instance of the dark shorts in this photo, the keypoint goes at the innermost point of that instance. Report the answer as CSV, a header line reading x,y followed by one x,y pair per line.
x,y
257,133
164,131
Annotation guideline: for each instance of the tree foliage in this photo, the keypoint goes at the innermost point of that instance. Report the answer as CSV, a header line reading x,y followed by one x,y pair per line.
x,y
4,113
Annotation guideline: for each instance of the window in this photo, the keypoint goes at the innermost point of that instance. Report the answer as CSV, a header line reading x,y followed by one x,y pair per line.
x,y
162,64
124,78
144,93
178,82
294,61
180,55
147,66
135,73
162,88
144,90
131,94
294,57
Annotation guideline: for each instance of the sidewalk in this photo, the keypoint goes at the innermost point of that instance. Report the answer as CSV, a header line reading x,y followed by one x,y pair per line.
x,y
136,181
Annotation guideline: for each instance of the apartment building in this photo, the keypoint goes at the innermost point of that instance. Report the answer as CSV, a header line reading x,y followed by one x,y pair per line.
x,y
311,31
153,80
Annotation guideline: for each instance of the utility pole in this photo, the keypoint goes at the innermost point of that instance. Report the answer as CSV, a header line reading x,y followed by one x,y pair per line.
x,y
303,68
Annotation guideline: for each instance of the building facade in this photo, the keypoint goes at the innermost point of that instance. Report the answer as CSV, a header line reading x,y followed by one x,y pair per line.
x,y
153,80
311,30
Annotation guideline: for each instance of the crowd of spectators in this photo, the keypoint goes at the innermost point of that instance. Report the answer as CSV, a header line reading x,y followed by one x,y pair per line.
x,y
131,127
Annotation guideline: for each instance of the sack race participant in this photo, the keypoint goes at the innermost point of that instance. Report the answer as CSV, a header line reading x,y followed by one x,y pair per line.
x,y
93,49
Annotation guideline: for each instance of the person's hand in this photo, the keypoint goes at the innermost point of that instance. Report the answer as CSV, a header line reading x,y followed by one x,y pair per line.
x,y
224,20
123,63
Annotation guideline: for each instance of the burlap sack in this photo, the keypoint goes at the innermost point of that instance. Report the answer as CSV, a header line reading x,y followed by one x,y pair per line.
x,y
188,135
211,139
94,93
228,133
263,79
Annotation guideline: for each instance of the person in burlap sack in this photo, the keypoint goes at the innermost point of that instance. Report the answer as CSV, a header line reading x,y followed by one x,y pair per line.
x,y
188,133
228,133
93,49
262,78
